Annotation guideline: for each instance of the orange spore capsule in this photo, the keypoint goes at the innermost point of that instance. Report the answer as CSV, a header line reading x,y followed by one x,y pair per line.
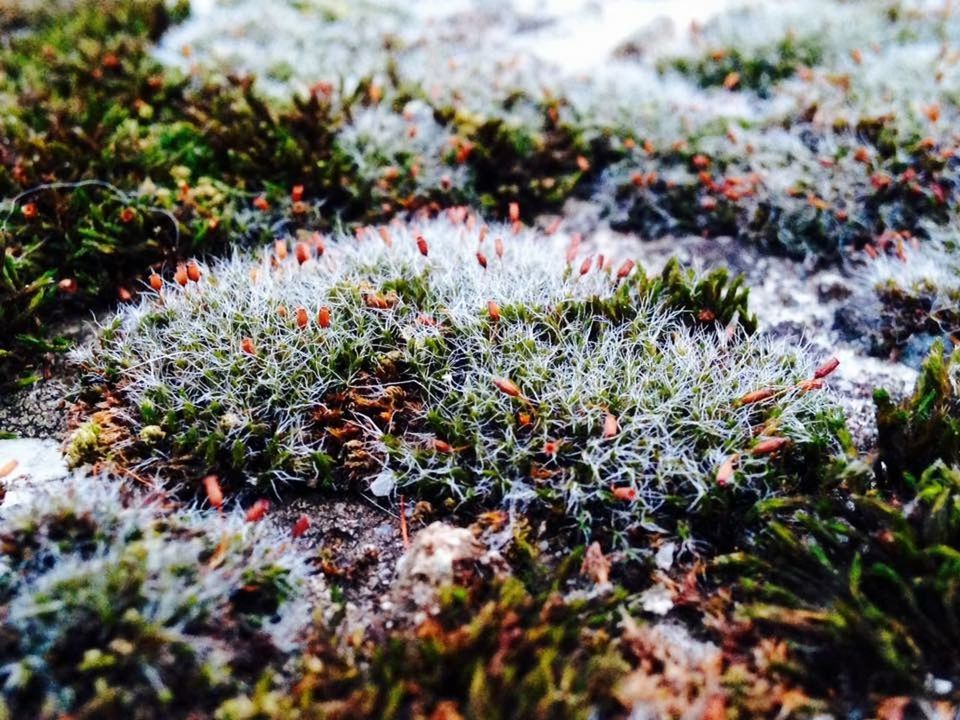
x,y
611,426
513,212
280,249
482,259
442,446
302,318
301,526
296,193
626,494
180,276
493,310
756,396
302,252
725,471
769,446
323,317
156,282
498,247
211,485
625,268
422,245
585,265
258,510
193,271
828,367
507,387
247,346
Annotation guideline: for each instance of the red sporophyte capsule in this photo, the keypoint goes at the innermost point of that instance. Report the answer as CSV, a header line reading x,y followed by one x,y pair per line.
x,y
725,471
385,235
498,247
573,248
626,494
258,510
700,162
68,285
301,526
29,210
611,427
731,80
582,163
507,387
282,311
513,212
318,244
626,268
600,261
180,276
296,193
156,282
123,294
769,446
708,203
422,245
585,265
323,317
302,318
442,446
482,259
493,310
756,396
260,203
211,485
808,385
828,367
551,447
302,252
861,155
193,271
127,215
246,345
280,249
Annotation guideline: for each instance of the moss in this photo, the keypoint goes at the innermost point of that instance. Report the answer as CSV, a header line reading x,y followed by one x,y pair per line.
x,y
119,608
862,584
758,70
423,357
84,445
913,434
868,186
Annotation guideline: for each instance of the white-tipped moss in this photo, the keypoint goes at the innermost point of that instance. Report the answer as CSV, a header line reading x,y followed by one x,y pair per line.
x,y
118,605
475,363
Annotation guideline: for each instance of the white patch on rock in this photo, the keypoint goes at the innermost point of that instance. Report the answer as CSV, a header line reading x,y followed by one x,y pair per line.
x,y
38,461
657,599
439,555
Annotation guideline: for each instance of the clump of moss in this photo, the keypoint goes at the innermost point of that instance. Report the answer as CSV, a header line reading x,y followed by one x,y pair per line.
x,y
117,607
758,70
860,576
803,191
862,583
474,364
925,427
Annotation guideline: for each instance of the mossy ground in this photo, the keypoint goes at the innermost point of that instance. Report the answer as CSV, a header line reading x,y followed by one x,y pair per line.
x,y
615,443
